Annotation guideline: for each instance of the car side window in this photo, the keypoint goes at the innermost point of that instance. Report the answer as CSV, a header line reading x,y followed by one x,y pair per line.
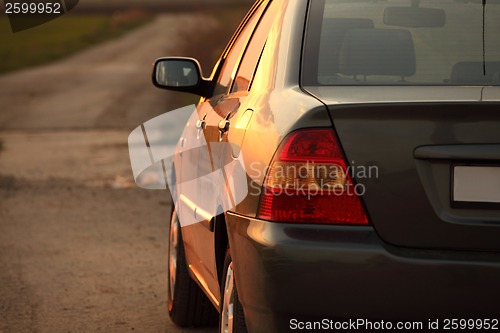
x,y
247,67
230,64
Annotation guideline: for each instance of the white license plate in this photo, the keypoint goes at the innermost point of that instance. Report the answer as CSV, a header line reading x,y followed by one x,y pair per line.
x,y
476,184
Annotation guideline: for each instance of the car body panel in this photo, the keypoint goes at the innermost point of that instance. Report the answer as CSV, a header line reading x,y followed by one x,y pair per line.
x,y
404,184
313,272
199,237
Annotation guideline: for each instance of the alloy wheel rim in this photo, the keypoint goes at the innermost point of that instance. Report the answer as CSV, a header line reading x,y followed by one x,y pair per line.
x,y
228,301
172,258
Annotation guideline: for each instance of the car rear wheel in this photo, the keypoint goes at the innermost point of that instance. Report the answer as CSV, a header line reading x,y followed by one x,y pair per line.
x,y
187,304
232,317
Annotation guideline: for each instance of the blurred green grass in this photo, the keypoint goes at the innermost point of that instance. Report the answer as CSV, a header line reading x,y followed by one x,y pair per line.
x,y
61,37
72,33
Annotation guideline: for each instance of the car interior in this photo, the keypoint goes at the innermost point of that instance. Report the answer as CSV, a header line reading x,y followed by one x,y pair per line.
x,y
400,45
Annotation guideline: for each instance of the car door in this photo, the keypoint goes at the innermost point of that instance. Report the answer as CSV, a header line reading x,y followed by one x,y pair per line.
x,y
199,237
230,107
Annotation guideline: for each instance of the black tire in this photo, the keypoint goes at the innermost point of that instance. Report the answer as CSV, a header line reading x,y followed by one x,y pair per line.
x,y
188,306
239,323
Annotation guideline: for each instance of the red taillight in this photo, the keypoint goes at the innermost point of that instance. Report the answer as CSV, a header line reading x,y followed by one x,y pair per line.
x,y
308,182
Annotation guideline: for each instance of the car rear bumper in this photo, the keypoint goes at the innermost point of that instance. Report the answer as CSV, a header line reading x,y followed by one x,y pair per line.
x,y
287,272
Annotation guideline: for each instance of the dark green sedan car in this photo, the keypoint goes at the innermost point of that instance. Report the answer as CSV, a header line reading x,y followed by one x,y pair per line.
x,y
341,170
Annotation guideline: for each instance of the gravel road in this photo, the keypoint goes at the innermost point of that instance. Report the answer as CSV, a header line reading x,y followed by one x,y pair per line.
x,y
81,249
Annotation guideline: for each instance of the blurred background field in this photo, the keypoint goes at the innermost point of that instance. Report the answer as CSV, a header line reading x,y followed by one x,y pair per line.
x,y
61,37
93,22
82,249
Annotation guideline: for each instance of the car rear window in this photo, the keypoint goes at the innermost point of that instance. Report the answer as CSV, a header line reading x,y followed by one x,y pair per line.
x,y
402,42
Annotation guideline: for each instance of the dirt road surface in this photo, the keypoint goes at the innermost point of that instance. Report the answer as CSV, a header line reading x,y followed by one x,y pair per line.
x,y
81,249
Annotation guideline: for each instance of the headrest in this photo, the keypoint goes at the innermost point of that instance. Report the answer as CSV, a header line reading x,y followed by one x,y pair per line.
x,y
339,26
378,52
473,72
332,36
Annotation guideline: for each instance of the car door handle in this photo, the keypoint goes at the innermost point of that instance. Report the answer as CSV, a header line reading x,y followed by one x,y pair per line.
x,y
200,126
224,126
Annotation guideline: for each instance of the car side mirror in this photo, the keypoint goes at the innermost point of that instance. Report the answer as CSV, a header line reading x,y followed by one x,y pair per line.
x,y
180,74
